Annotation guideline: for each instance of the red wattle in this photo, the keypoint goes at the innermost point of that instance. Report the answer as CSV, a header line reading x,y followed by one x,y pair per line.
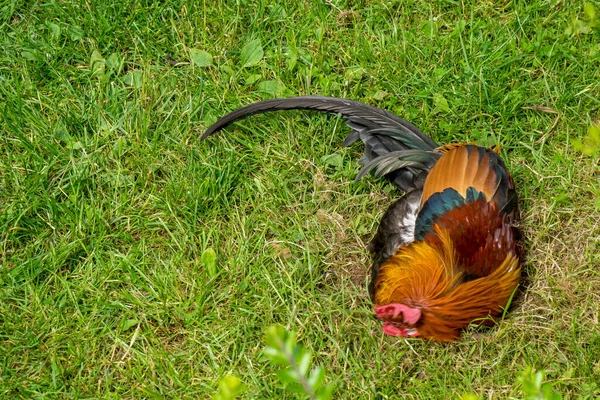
x,y
393,331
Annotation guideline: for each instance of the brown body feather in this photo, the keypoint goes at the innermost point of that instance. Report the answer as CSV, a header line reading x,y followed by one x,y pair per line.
x,y
481,235
467,266
460,168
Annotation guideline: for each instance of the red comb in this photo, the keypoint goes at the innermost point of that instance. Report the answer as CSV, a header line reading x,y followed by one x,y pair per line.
x,y
409,315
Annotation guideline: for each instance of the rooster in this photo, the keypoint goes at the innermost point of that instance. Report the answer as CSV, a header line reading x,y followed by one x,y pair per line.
x,y
447,253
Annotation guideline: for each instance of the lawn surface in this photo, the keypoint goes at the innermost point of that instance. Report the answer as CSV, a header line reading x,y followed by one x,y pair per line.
x,y
108,198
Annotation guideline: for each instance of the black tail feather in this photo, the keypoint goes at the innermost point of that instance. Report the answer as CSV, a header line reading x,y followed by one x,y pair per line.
x,y
359,115
381,132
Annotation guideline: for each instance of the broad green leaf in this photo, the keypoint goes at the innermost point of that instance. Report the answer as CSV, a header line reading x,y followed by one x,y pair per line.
x,y
326,392
274,336
114,62
440,103
97,62
590,11
594,133
429,29
119,146
275,340
251,53
354,73
334,160
277,12
201,58
303,359
227,70
533,386
380,95
274,88
128,323
134,78
319,33
229,388
75,145
591,143
275,356
316,378
539,378
295,388
32,55
289,342
291,58
287,376
209,259
75,33
62,134
54,28
252,79
460,27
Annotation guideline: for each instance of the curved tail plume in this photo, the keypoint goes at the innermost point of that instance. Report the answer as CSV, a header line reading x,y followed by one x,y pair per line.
x,y
386,137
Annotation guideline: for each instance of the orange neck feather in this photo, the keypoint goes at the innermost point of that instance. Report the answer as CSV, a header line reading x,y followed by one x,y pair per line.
x,y
429,277
418,273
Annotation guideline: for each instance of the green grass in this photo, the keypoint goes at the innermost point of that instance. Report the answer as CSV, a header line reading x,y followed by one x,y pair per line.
x,y
108,198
